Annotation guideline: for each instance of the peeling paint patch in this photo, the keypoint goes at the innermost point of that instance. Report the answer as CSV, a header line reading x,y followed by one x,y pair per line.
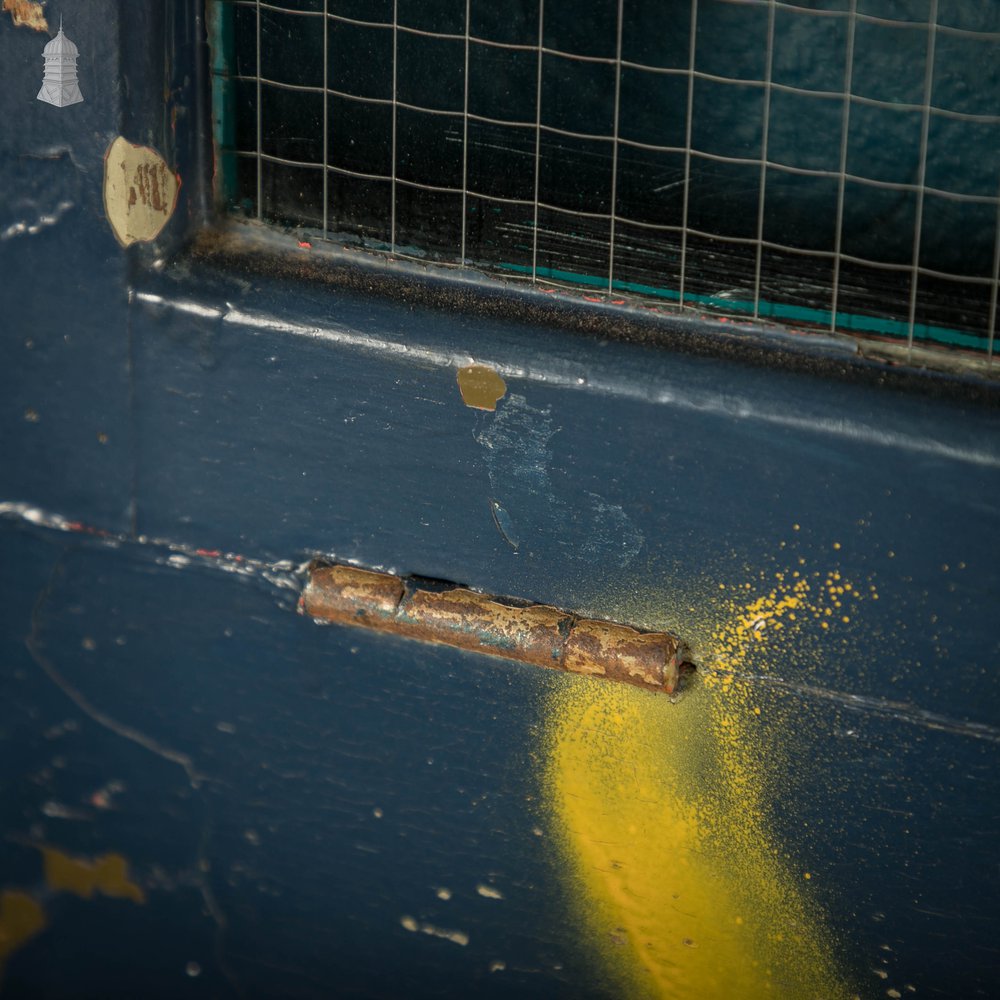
x,y
26,14
140,192
107,875
481,386
455,937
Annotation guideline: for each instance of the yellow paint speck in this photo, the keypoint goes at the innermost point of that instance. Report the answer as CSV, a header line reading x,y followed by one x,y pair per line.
x,y
481,386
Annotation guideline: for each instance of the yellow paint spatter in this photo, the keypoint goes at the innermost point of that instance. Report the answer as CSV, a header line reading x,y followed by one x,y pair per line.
x,y
663,810
107,875
672,867
21,918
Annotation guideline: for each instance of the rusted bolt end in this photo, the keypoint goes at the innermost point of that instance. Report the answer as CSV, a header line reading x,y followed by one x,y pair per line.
x,y
345,594
434,611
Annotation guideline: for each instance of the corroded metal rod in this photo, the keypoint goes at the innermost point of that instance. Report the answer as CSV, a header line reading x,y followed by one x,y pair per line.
x,y
532,633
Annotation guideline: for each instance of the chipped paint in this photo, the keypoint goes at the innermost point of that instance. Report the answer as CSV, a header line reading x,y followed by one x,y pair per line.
x,y
530,633
140,192
26,14
481,386
106,875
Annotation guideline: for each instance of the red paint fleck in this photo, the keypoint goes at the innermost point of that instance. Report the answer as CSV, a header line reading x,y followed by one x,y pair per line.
x,y
305,245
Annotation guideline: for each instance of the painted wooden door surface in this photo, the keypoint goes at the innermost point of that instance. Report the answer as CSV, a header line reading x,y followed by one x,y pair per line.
x,y
204,793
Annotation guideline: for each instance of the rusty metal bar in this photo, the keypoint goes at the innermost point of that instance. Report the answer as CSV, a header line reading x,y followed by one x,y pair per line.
x,y
531,633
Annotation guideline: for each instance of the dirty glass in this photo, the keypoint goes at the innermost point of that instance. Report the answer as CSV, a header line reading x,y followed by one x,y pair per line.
x,y
833,163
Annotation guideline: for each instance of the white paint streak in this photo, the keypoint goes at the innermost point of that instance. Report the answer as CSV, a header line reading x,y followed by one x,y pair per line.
x,y
34,228
726,405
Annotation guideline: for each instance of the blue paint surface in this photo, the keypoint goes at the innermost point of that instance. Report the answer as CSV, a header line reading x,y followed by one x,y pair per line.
x,y
345,778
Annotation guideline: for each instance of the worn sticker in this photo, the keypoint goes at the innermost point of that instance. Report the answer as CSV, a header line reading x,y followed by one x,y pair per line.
x,y
140,192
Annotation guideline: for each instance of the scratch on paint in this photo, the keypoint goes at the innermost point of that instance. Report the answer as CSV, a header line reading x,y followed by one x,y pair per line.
x,y
34,645
516,447
26,14
107,876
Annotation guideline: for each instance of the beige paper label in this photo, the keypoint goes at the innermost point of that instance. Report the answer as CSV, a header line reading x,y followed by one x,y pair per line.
x,y
140,192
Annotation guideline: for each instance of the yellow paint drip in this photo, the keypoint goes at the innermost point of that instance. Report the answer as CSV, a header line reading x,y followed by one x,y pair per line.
x,y
663,813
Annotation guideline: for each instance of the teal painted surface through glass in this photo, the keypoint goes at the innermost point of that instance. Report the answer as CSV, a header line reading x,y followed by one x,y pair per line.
x,y
836,166
768,310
